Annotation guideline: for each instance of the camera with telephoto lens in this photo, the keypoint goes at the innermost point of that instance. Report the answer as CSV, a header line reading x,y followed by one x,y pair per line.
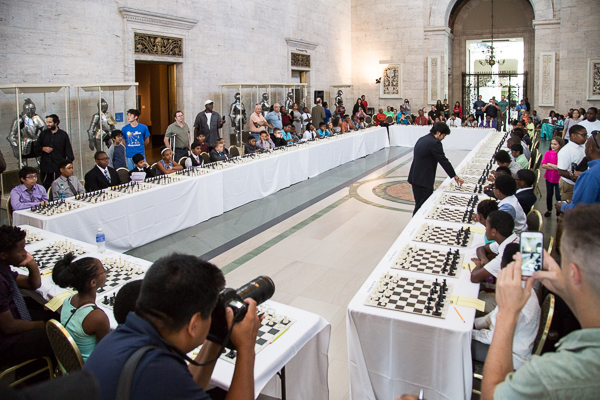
x,y
259,289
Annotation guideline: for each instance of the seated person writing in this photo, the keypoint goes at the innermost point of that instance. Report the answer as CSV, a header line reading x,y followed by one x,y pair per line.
x,y
167,165
322,131
86,323
484,209
141,166
516,150
194,160
101,176
22,331
505,188
28,194
526,328
525,179
116,152
503,159
310,132
251,146
173,314
265,142
217,153
499,228
572,370
66,181
125,300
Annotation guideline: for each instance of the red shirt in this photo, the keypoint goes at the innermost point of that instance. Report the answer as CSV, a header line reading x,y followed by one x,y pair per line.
x,y
365,104
421,121
379,118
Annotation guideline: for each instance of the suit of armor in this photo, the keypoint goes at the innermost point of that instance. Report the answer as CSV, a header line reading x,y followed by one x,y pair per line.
x,y
338,98
264,104
30,125
100,128
237,113
289,101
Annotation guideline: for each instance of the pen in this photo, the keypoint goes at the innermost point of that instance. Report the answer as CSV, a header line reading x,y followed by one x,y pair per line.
x,y
463,320
421,394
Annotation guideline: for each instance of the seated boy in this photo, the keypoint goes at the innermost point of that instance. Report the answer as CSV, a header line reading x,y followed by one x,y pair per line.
x,y
323,130
194,160
525,179
499,228
126,299
505,188
66,181
116,152
28,194
488,190
141,166
277,138
484,208
217,153
265,142
516,150
526,329
251,146
503,159
201,138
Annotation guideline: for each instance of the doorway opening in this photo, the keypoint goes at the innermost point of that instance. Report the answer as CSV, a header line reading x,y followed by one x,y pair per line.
x,y
157,101
299,76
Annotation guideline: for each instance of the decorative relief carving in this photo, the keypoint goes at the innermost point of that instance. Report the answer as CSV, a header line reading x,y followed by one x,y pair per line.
x,y
158,45
596,79
547,74
301,60
434,81
391,84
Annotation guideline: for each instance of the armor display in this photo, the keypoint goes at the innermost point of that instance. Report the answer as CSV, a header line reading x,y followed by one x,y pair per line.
x,y
289,101
100,128
264,104
237,113
339,98
30,125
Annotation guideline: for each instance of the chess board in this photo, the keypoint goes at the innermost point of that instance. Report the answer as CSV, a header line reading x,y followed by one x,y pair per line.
x,y
55,208
97,197
32,237
412,295
444,236
164,179
457,201
194,171
466,188
131,187
428,261
119,272
474,180
46,257
463,216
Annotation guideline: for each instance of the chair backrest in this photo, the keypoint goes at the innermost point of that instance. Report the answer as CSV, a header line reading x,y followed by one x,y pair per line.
x,y
537,180
65,349
182,161
234,151
389,119
534,221
538,162
368,120
532,158
550,245
9,210
545,321
49,194
205,157
123,175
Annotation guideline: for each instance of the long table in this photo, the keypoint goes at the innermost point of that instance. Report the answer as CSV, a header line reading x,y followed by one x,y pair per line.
x,y
136,219
302,350
459,138
392,352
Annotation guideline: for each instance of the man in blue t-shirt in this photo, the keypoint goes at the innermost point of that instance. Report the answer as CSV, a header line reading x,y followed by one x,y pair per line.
x,y
136,137
173,315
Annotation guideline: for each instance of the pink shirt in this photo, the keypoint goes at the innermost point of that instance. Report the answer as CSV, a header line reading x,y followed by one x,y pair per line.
x,y
550,157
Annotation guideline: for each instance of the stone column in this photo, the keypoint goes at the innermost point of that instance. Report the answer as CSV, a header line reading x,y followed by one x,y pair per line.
x,y
438,43
547,39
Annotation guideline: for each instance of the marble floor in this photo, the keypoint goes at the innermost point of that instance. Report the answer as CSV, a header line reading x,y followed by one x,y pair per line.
x,y
318,240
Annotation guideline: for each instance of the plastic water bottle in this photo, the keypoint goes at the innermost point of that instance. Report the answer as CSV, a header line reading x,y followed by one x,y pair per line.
x,y
100,241
61,192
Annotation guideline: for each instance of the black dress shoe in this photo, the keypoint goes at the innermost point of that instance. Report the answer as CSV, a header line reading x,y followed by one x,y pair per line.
x,y
548,213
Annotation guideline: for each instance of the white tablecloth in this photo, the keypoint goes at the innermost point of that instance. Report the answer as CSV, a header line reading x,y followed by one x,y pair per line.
x,y
391,353
137,219
459,138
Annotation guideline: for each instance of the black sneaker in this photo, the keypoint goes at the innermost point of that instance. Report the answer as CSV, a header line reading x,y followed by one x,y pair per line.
x,y
548,213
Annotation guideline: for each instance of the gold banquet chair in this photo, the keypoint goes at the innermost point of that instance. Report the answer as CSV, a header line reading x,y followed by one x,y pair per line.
x,y
65,349
182,161
534,221
205,157
47,367
123,175
9,210
234,151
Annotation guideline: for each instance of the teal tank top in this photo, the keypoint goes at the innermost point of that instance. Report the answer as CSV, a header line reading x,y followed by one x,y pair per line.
x,y
85,342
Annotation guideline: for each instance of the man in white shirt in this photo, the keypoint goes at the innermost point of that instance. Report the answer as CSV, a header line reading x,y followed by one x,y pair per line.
x,y
568,156
526,329
306,118
454,121
505,188
591,123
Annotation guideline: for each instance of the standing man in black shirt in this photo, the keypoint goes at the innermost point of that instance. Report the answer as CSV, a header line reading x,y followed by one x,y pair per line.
x,y
428,153
493,110
53,145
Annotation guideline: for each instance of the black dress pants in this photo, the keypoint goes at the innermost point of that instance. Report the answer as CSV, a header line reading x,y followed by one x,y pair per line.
x,y
421,194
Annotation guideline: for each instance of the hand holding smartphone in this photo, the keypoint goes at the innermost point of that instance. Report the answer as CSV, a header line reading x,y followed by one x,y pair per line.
x,y
532,249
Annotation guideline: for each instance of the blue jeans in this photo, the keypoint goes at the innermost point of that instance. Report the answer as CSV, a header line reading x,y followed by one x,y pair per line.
x,y
130,164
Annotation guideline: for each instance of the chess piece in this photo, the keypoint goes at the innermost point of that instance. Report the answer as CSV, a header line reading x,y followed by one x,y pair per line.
x,y
101,126
25,131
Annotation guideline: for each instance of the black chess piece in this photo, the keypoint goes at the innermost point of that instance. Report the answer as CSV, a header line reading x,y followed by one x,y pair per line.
x,y
105,301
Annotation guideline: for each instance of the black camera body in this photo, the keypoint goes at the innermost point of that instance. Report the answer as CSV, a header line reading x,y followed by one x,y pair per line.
x,y
260,290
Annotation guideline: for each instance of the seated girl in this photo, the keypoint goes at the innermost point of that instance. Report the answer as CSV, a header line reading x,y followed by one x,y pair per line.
x,y
85,322
167,165
310,132
335,127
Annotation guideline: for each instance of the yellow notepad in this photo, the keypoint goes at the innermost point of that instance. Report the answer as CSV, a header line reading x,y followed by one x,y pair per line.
x,y
477,229
57,301
468,265
465,301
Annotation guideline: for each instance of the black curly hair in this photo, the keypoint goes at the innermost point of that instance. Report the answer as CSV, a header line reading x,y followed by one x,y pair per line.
x,y
9,237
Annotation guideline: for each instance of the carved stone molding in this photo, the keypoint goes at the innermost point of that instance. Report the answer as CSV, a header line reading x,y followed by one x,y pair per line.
x,y
434,78
547,78
148,17
545,23
300,44
593,81
158,45
391,82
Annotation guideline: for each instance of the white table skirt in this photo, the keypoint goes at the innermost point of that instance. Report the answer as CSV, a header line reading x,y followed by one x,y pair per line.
x,y
140,218
459,138
390,352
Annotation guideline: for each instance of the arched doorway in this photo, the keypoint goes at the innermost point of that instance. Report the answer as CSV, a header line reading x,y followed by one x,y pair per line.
x,y
470,22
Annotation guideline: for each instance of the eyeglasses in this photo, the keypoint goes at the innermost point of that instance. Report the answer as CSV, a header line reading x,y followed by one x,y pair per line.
x,y
32,177
102,159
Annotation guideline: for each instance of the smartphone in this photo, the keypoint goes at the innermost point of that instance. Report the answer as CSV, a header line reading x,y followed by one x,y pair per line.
x,y
223,118
532,250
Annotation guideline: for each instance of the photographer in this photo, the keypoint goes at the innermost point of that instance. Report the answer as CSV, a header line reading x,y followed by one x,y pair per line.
x,y
173,315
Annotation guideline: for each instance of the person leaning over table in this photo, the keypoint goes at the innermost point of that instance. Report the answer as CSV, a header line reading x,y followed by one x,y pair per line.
x,y
69,183
28,194
428,152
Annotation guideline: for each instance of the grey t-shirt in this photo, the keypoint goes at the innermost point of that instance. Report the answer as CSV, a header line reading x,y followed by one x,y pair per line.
x,y
181,134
